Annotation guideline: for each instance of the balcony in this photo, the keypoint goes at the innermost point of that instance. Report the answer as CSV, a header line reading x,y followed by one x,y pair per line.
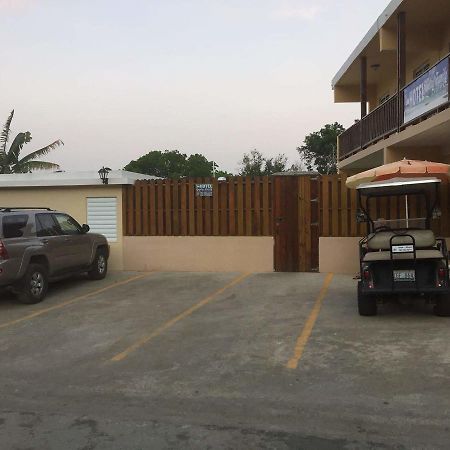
x,y
420,99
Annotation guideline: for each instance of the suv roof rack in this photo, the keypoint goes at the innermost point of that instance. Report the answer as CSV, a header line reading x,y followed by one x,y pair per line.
x,y
28,208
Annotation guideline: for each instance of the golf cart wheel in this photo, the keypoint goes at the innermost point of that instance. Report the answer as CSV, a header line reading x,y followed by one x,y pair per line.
x,y
442,307
367,305
34,285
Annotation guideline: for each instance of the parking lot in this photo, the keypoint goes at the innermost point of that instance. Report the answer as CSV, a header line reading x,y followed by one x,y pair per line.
x,y
227,360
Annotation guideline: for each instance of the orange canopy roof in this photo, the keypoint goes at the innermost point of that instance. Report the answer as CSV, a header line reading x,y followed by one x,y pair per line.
x,y
404,168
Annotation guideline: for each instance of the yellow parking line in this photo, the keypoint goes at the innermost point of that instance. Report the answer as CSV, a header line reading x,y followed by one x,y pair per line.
x,y
145,339
70,302
307,329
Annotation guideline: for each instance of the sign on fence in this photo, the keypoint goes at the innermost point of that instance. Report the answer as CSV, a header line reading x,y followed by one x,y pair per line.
x,y
204,190
426,93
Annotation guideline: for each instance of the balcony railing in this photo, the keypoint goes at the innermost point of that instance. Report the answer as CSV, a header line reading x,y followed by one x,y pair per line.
x,y
418,100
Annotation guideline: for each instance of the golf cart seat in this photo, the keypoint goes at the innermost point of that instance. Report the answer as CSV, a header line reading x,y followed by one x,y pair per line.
x,y
386,255
424,239
379,245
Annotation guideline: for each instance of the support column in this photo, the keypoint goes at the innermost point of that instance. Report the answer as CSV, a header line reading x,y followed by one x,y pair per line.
x,y
363,86
401,62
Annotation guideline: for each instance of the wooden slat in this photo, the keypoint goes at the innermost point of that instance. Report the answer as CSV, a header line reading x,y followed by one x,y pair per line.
x,y
325,206
208,202
160,209
248,206
175,208
145,210
335,206
266,215
215,208
183,208
192,228
130,210
231,207
138,208
199,211
152,195
344,207
168,206
223,205
304,221
256,228
240,206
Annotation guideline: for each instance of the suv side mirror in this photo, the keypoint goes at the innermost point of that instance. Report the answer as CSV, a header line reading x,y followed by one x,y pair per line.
x,y
85,228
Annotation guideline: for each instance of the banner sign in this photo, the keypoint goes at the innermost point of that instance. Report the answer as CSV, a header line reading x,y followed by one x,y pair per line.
x,y
204,190
426,93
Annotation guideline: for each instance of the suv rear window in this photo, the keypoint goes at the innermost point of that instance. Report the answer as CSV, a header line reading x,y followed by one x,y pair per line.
x,y
13,226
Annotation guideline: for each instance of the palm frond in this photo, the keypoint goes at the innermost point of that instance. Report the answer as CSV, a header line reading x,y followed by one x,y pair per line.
x,y
34,165
14,151
4,136
41,152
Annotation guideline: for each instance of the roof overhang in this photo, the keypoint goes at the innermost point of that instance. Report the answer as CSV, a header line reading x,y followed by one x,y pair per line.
x,y
62,179
376,27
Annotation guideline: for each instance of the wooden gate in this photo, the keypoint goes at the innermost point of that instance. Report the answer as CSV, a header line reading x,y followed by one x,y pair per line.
x,y
285,219
296,223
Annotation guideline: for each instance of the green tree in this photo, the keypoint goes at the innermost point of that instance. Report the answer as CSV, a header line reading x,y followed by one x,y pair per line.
x,y
319,149
172,164
10,161
255,164
198,166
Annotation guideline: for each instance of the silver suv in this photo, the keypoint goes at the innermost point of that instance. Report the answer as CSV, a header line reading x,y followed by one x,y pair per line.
x,y
38,245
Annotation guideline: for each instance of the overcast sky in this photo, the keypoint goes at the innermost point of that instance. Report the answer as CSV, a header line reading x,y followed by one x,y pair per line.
x,y
115,79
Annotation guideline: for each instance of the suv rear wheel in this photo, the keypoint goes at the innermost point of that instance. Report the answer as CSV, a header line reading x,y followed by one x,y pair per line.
x,y
34,284
367,304
99,266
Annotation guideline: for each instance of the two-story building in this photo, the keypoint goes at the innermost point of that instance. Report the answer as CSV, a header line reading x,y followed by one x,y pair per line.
x,y
399,73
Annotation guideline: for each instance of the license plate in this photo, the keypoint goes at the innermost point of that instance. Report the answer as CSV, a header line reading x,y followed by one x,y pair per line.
x,y
402,248
404,275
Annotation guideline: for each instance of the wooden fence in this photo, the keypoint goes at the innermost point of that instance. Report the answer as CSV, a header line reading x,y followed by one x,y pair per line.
x,y
240,206
243,206
338,208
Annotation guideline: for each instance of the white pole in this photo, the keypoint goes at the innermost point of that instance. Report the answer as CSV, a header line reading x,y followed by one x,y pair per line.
x,y
407,211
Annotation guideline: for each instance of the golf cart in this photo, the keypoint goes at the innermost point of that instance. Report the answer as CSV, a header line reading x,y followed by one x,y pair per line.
x,y
401,257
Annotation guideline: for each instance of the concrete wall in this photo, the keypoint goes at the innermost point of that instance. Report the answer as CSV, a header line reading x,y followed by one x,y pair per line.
x,y
71,200
339,255
198,253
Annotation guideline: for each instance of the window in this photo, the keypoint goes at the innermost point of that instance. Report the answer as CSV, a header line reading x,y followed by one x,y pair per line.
x,y
102,216
13,226
421,69
46,225
67,224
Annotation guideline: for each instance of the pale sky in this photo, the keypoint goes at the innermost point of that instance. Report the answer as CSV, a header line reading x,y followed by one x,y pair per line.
x,y
115,79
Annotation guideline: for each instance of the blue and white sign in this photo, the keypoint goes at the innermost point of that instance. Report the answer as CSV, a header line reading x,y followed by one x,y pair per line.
x,y
204,190
427,92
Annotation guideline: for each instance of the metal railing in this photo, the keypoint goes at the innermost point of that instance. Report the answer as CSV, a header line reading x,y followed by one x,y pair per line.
x,y
387,119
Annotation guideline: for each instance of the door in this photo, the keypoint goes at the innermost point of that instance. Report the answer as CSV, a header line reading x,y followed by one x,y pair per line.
x,y
285,210
49,234
77,244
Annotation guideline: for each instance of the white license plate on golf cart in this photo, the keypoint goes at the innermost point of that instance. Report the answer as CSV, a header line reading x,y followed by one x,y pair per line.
x,y
404,275
402,248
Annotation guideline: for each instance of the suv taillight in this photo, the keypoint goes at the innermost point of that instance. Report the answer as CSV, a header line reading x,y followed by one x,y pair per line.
x,y
3,251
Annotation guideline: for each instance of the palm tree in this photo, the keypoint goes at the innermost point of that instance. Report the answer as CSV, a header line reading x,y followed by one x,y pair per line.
x,y
10,161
